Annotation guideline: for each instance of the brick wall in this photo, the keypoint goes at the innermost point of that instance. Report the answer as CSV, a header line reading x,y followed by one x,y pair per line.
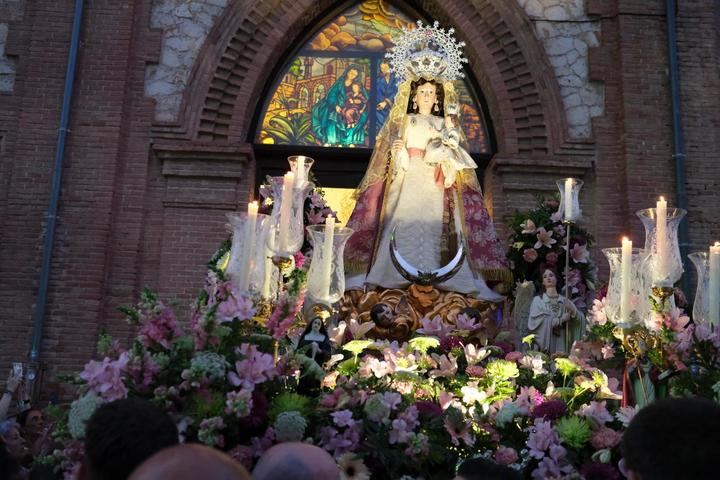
x,y
143,201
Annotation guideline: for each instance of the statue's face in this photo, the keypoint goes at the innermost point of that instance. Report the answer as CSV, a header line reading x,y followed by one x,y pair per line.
x,y
549,279
316,324
384,68
352,74
425,97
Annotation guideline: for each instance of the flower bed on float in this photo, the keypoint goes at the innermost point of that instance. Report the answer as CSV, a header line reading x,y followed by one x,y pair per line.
x,y
236,382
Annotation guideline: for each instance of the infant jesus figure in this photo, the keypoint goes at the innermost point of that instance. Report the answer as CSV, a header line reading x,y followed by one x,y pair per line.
x,y
355,105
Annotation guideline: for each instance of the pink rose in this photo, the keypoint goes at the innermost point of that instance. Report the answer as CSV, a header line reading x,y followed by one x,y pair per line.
x,y
514,356
551,258
530,255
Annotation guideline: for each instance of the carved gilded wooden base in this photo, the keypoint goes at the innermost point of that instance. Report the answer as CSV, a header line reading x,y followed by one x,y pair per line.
x,y
408,306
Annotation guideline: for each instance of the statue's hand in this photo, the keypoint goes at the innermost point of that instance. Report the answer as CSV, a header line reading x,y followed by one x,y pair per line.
x,y
452,109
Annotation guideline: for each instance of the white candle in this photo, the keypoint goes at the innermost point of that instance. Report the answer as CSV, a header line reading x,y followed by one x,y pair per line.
x,y
568,199
285,211
326,270
248,247
625,281
268,274
300,171
714,287
661,246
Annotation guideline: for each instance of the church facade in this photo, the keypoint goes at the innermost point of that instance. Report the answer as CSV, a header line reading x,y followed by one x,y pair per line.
x,y
167,117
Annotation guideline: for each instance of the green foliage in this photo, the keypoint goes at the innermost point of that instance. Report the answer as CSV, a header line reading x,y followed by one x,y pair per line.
x,y
205,406
295,129
574,431
288,402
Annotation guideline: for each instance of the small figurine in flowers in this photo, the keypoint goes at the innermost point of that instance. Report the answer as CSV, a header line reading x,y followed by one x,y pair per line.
x,y
316,337
391,324
550,314
382,315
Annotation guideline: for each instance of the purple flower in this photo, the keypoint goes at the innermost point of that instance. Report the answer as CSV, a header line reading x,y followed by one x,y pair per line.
x,y
316,200
450,342
550,410
463,322
315,218
391,400
596,411
506,347
428,408
435,327
343,418
403,426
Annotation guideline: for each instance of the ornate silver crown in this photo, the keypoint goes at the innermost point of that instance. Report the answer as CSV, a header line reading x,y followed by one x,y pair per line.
x,y
427,52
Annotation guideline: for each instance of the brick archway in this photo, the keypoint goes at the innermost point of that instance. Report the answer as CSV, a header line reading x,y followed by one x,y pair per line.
x,y
509,63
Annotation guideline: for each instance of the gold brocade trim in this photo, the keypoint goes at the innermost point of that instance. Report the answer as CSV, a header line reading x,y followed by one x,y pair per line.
x,y
503,275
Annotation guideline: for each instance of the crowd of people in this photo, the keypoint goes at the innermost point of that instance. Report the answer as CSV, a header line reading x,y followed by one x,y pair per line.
x,y
671,439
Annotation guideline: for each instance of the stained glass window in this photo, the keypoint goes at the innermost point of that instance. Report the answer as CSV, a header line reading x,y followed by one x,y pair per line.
x,y
338,90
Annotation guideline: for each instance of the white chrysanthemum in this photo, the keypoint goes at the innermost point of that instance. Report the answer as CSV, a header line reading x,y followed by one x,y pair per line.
x,y
207,365
290,427
80,411
506,414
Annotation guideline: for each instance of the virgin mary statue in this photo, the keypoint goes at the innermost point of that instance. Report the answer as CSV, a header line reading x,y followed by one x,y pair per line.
x,y
421,182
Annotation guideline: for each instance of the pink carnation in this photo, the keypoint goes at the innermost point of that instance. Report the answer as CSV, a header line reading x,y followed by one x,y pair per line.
x,y
551,258
514,356
605,437
299,260
530,255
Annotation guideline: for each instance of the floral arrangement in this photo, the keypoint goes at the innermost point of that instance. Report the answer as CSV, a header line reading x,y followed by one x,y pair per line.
x,y
231,381
233,378
681,358
538,241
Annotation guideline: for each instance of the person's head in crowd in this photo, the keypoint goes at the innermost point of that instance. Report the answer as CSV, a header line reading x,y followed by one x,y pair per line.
x,y
9,466
14,442
40,471
299,461
31,421
673,439
484,469
190,462
120,435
